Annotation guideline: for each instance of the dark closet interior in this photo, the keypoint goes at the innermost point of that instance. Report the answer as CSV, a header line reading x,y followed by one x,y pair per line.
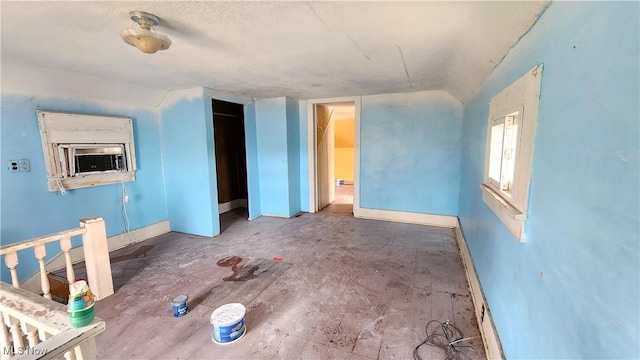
x,y
231,166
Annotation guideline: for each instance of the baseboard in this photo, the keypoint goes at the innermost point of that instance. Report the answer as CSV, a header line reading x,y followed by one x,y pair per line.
x,y
32,283
491,342
230,205
406,217
279,216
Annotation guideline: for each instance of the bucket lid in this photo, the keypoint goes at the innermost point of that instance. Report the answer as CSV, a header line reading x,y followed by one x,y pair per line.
x,y
228,314
78,288
182,298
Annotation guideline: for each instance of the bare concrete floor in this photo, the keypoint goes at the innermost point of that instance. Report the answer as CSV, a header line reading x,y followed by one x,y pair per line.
x,y
358,289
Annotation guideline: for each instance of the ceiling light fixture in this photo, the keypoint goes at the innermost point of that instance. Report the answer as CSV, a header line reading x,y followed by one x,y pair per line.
x,y
144,39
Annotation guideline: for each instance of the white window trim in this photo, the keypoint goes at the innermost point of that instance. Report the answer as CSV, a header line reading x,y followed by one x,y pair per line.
x,y
523,96
58,128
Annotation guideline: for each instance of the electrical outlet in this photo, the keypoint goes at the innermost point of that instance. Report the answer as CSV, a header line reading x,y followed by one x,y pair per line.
x,y
126,198
25,165
14,166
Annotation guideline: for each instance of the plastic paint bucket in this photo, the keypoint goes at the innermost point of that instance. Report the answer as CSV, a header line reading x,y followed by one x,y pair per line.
x,y
228,323
80,318
179,304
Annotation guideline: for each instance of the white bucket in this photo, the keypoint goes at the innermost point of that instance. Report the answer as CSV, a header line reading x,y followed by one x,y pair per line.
x,y
228,323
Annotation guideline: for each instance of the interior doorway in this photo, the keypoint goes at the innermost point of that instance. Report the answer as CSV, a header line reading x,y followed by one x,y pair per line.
x,y
230,148
334,145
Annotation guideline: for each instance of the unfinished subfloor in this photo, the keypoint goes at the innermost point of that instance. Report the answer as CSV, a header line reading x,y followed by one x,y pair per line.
x,y
344,200
357,289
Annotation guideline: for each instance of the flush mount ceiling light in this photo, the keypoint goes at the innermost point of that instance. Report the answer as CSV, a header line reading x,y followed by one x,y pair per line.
x,y
144,39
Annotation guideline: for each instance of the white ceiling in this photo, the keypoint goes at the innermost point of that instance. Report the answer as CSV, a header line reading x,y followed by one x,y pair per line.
x,y
266,49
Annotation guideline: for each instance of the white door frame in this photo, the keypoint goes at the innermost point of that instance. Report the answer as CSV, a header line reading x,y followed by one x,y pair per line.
x,y
245,101
313,156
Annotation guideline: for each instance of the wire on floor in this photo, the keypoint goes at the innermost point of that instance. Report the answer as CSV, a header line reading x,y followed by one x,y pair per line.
x,y
450,339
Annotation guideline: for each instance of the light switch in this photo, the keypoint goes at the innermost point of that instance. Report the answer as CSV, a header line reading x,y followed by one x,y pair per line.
x,y
25,165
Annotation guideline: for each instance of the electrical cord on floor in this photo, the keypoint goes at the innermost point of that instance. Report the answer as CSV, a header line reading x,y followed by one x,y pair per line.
x,y
450,339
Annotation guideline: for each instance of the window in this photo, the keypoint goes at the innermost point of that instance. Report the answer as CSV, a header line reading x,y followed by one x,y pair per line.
x,y
502,153
86,150
511,127
84,159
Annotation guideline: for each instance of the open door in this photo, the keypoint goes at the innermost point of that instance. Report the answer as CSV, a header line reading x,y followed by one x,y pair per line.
x,y
325,152
328,152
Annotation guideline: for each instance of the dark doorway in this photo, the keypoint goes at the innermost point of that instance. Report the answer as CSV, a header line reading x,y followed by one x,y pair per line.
x,y
231,165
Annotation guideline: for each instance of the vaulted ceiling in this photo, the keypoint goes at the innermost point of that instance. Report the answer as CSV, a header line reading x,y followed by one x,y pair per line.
x,y
263,49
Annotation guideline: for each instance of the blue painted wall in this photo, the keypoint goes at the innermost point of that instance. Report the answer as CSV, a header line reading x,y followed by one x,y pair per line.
x,y
30,210
572,290
304,155
278,148
189,162
253,179
410,152
293,148
273,167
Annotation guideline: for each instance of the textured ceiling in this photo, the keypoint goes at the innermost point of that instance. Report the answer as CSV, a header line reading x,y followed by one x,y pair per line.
x,y
266,49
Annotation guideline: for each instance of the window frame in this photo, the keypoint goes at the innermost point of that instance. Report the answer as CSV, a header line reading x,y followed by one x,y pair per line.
x,y
496,185
61,130
521,96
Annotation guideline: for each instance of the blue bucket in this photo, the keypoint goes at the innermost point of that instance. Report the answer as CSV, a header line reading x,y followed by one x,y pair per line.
x,y
228,323
179,304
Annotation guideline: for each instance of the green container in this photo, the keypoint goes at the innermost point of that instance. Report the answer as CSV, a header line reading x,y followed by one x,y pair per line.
x,y
82,318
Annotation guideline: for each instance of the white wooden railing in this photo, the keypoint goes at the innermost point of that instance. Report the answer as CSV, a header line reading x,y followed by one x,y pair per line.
x,y
43,322
96,257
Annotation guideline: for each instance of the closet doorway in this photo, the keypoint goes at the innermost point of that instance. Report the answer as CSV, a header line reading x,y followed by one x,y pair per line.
x,y
231,159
